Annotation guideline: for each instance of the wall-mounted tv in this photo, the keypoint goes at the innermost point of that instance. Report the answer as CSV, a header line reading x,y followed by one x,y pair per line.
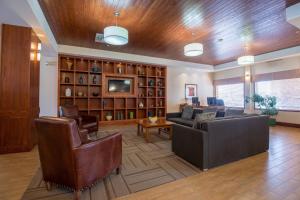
x,y
117,85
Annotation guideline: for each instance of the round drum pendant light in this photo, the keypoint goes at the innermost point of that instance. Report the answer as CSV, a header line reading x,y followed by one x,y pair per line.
x,y
193,49
115,35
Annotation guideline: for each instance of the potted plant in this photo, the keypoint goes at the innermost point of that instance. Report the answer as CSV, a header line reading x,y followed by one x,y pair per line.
x,y
266,105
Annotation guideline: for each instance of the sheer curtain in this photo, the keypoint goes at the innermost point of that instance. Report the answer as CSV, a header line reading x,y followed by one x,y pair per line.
x,y
232,94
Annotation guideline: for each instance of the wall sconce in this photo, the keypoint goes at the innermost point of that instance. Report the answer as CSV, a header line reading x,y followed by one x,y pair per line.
x,y
32,46
35,51
39,47
32,56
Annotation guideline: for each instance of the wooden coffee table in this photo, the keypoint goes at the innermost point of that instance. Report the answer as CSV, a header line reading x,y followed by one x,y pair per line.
x,y
144,125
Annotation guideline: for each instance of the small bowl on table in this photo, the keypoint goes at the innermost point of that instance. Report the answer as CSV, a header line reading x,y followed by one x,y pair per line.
x,y
153,120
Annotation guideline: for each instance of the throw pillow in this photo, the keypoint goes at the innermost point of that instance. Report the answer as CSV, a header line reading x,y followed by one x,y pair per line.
x,y
203,117
233,112
187,112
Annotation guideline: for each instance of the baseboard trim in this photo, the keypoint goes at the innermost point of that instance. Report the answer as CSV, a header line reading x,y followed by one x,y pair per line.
x,y
288,124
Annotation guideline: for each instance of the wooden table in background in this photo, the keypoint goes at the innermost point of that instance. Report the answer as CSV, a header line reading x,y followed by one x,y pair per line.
x,y
144,125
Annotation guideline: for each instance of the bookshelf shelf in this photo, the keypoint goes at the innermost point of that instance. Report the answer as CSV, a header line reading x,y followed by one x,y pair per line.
x,y
84,76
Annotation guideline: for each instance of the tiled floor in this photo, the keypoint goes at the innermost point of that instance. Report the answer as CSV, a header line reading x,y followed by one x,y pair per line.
x,y
273,175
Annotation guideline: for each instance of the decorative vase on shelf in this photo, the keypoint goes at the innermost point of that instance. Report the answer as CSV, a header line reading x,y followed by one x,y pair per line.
x,y
95,94
108,116
69,64
151,82
141,105
131,115
67,80
95,68
80,79
68,92
94,80
159,73
161,103
150,93
119,70
80,94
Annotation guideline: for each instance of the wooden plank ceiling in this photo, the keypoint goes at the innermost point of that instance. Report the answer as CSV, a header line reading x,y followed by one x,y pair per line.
x,y
161,28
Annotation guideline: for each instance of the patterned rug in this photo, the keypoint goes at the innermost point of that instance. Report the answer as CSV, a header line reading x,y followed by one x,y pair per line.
x,y
144,165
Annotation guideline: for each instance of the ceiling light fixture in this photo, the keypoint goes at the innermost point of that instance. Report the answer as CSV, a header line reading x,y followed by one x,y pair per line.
x,y
193,49
116,35
246,59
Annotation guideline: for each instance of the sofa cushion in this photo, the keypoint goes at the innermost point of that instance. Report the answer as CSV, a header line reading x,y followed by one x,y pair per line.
x,y
202,118
206,116
196,111
233,112
187,112
185,122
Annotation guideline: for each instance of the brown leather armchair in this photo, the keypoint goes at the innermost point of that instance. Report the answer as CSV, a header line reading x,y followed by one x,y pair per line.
x,y
88,122
66,161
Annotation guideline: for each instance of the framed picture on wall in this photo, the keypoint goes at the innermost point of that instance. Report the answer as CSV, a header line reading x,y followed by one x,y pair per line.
x,y
190,91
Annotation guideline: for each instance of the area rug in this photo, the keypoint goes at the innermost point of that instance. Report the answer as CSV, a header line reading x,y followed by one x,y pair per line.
x,y
144,165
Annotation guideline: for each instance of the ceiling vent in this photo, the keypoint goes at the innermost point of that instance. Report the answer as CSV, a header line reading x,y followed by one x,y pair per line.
x,y
293,15
99,38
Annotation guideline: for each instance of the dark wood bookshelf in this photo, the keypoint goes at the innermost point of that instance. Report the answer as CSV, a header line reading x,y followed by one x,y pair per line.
x,y
85,75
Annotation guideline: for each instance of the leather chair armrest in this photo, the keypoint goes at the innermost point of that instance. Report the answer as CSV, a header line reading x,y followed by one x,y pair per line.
x,y
89,118
78,120
174,115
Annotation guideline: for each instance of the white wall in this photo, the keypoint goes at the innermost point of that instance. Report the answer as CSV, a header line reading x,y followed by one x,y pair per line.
x,y
268,67
176,80
48,86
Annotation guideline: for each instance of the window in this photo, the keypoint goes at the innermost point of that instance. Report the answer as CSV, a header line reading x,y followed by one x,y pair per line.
x,y
232,94
287,92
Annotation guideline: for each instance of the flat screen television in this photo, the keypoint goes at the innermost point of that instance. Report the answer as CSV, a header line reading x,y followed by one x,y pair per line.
x,y
116,85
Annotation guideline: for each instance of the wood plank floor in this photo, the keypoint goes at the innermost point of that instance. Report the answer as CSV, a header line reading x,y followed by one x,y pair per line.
x,y
273,175
16,172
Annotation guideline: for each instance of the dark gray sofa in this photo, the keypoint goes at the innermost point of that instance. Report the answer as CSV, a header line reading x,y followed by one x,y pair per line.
x,y
176,117
221,141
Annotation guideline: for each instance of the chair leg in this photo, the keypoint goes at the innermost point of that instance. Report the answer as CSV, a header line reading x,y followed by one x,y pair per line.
x,y
48,186
77,194
118,170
